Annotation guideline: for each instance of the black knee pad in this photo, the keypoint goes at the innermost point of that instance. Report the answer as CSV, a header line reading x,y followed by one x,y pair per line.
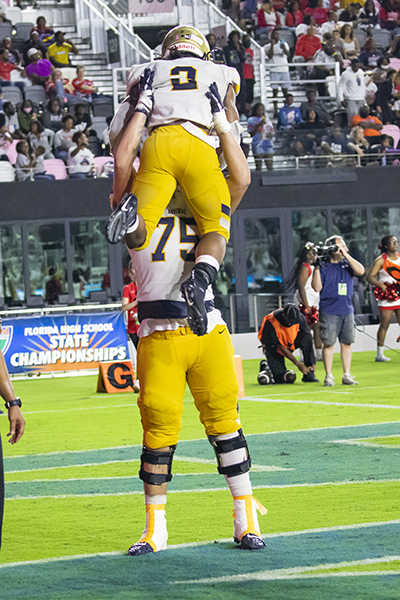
x,y
156,458
226,446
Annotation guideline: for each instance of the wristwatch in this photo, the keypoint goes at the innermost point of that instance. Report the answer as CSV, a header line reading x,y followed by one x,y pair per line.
x,y
16,402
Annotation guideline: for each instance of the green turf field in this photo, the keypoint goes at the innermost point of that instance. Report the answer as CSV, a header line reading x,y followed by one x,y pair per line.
x,y
326,464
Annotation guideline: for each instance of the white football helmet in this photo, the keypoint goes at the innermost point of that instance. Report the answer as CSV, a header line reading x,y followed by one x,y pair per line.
x,y
186,39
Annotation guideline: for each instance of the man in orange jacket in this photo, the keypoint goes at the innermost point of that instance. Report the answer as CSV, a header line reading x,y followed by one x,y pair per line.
x,y
281,332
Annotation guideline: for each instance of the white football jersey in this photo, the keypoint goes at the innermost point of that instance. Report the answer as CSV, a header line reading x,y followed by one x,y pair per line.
x,y
180,88
163,266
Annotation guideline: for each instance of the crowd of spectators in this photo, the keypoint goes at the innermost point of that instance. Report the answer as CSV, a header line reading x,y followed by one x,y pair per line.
x,y
60,124
309,40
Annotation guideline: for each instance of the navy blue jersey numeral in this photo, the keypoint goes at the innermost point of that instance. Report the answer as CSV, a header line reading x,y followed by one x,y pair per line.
x,y
185,80
158,255
187,238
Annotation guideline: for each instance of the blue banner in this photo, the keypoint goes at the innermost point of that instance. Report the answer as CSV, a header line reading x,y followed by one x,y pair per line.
x,y
63,343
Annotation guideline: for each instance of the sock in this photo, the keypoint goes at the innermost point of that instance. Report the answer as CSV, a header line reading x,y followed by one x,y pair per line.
x,y
206,267
134,226
155,532
318,353
379,352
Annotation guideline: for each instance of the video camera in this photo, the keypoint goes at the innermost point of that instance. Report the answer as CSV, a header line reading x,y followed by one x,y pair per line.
x,y
324,253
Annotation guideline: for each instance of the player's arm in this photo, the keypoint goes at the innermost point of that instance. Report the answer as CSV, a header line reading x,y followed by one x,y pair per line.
x,y
17,421
316,281
373,272
288,354
301,285
126,305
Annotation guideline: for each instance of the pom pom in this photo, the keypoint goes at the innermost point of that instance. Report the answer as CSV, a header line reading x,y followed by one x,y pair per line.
x,y
391,294
312,315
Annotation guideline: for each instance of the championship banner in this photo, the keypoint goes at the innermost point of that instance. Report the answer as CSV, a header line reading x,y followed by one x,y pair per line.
x,y
139,7
63,343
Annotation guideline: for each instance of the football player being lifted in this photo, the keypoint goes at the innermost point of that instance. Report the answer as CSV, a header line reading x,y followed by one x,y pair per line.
x,y
171,95
169,351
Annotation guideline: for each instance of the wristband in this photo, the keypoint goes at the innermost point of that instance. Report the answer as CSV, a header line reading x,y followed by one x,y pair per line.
x,y
221,123
16,402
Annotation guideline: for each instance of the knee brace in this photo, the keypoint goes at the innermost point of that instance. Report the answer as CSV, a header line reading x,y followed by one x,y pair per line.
x,y
222,447
156,458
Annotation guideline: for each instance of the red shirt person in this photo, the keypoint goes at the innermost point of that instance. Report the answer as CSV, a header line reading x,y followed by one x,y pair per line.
x,y
83,87
129,305
308,44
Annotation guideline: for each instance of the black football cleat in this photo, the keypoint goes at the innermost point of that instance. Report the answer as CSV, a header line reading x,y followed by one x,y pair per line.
x,y
121,219
140,548
310,378
193,291
251,541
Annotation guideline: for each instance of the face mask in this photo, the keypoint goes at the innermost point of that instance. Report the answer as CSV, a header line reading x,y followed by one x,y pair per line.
x,y
28,110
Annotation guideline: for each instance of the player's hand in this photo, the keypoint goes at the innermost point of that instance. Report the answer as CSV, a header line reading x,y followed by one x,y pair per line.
x,y
17,424
145,100
302,367
215,99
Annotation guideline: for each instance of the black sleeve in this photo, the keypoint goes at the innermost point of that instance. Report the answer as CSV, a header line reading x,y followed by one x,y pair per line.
x,y
268,336
303,324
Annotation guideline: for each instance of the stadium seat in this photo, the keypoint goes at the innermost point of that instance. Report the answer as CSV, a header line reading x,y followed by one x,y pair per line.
x,y
360,36
66,299
11,152
36,94
5,30
382,38
35,301
288,36
102,107
98,296
95,146
98,124
56,167
23,30
13,13
68,73
394,133
7,172
12,94
100,161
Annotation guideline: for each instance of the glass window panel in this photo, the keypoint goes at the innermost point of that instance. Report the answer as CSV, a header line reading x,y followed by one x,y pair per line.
x,y
263,254
90,258
46,246
385,221
352,226
308,226
12,287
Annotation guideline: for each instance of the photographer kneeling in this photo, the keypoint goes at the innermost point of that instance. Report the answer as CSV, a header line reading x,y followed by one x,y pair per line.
x,y
333,278
281,332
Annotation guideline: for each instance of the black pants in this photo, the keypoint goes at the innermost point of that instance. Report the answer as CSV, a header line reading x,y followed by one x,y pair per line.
x,y
277,362
134,339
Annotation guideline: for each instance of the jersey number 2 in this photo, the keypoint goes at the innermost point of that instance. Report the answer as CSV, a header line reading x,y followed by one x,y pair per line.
x,y
185,80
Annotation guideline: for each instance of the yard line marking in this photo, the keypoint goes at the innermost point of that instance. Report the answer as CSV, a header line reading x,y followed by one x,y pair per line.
x,y
195,491
206,542
278,401
357,442
324,390
60,410
296,572
309,429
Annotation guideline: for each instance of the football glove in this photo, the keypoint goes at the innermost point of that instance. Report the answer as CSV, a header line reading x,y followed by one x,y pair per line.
x,y
218,110
145,101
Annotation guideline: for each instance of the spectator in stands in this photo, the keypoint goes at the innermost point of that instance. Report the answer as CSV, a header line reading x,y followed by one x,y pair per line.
x,y
250,9
331,24
84,87
389,15
334,144
308,134
334,281
39,69
5,138
12,125
83,122
380,72
51,117
394,49
351,89
337,42
303,27
267,19
33,42
46,34
316,8
350,14
261,130
6,67
38,138
217,53
307,45
59,52
81,159
63,138
368,16
358,144
350,45
294,16
58,86
386,93
277,52
382,148
14,56
235,56
318,106
30,163
53,287
25,116
248,74
1,99
289,115
371,125
325,60
370,55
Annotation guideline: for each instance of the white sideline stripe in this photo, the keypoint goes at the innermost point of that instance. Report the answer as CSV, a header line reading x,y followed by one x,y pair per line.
x,y
307,430
60,410
330,390
207,542
358,442
279,401
198,491
300,572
